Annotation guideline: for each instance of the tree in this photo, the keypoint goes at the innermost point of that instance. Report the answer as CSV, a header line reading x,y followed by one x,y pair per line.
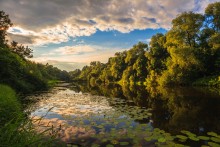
x,y
156,57
21,50
182,43
212,13
157,53
137,50
117,65
5,23
185,30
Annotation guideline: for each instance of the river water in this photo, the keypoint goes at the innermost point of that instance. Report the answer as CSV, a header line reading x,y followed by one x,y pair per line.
x,y
85,115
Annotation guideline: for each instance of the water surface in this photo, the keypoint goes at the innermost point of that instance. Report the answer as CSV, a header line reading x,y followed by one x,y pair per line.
x,y
86,115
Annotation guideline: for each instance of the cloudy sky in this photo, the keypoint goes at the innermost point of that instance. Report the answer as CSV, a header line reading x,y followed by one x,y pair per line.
x,y
71,33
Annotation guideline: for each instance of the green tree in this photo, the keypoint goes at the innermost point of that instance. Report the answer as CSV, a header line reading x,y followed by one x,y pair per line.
x,y
5,23
21,50
156,57
185,30
212,13
183,47
117,65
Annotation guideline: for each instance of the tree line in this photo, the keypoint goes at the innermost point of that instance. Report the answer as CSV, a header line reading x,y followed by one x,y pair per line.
x,y
17,71
189,53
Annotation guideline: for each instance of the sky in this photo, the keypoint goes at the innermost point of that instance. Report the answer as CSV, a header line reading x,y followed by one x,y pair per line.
x,y
69,34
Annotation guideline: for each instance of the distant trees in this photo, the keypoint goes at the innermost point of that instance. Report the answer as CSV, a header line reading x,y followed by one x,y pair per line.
x,y
16,71
189,51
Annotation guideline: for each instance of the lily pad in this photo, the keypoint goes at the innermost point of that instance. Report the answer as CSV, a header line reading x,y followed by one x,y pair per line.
x,y
193,138
124,143
95,145
212,134
181,137
114,141
109,145
215,139
212,144
162,140
203,137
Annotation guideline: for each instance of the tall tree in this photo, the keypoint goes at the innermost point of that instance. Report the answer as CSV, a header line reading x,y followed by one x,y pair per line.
x,y
212,13
185,30
5,23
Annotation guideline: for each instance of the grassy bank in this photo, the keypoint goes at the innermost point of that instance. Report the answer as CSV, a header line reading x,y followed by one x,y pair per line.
x,y
9,107
15,128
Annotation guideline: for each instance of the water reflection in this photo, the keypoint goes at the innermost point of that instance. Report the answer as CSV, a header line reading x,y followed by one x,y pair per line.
x,y
86,115
174,109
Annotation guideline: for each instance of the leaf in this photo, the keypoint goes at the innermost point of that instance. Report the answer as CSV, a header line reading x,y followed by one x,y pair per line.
x,y
181,137
161,140
193,138
148,139
95,145
104,140
124,143
109,145
212,144
114,141
215,139
212,134
188,133
203,137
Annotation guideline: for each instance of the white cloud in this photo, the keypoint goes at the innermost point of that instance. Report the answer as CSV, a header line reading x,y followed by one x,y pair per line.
x,y
75,50
65,57
55,21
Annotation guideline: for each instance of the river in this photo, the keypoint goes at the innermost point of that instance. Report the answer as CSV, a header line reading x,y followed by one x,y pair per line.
x,y
85,115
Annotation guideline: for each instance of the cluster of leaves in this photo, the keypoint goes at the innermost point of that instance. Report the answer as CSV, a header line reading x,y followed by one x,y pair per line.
x,y
189,51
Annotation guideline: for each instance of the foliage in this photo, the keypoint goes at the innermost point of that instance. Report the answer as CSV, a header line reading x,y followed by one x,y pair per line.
x,y
189,51
26,76
20,132
208,81
16,71
15,129
21,50
9,106
5,23
23,76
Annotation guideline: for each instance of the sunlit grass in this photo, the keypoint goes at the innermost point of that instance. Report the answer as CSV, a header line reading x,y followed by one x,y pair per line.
x,y
16,129
9,106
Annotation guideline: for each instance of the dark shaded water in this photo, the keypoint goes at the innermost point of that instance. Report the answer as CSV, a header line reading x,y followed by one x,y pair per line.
x,y
130,116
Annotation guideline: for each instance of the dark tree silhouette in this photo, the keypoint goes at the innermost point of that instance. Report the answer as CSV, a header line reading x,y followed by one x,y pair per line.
x,y
5,23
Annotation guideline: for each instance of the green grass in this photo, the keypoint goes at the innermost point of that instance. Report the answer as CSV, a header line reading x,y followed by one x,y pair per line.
x,y
9,105
15,128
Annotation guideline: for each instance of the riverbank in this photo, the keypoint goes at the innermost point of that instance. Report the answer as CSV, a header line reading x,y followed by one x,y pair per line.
x,y
16,129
